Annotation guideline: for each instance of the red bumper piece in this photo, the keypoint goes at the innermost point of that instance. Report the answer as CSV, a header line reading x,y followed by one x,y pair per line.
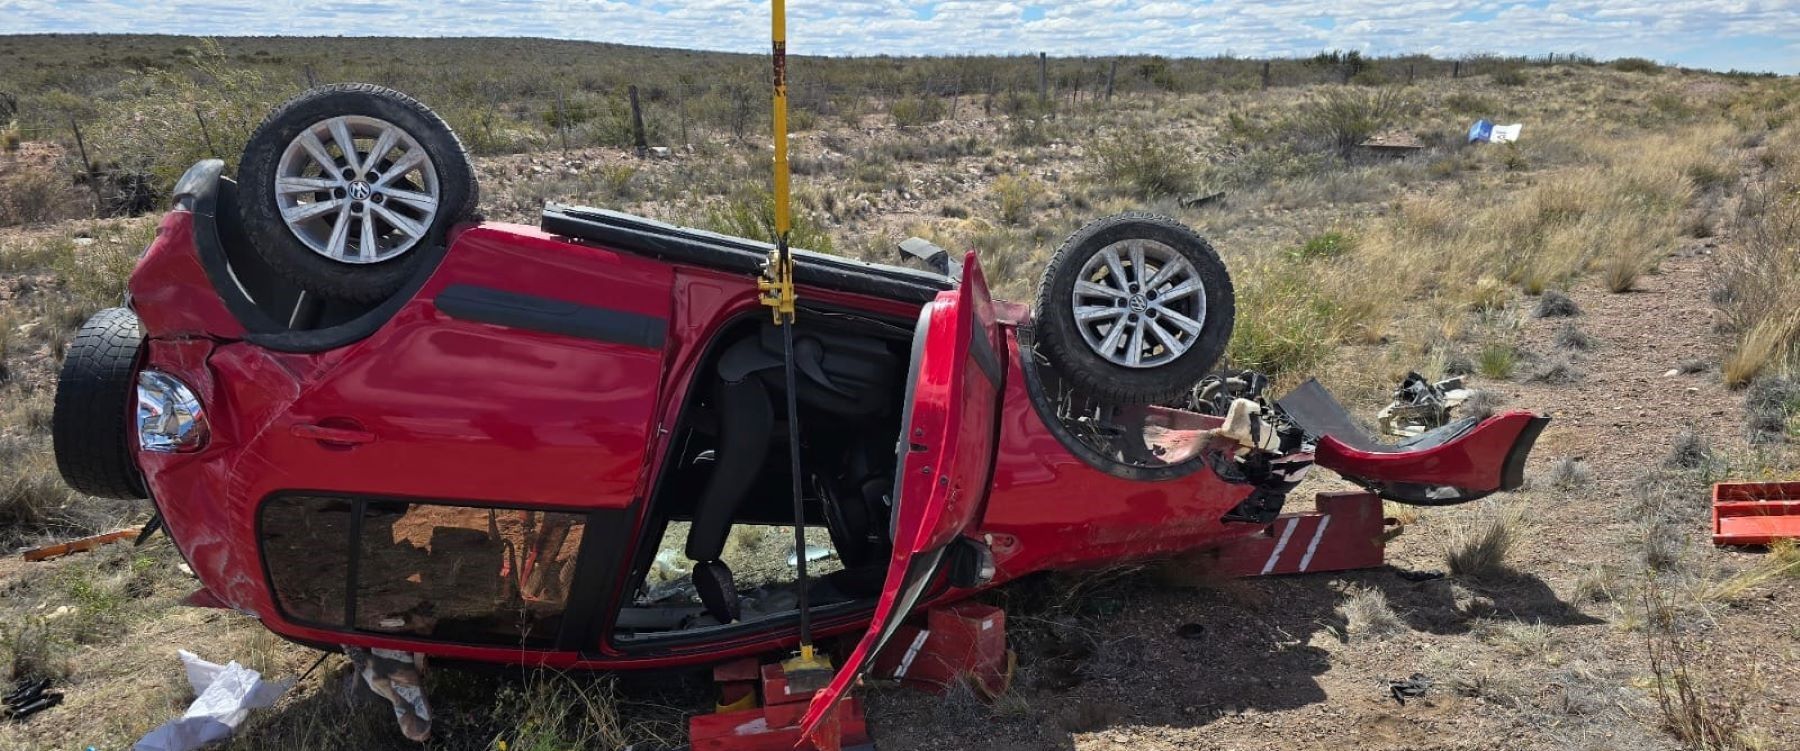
x,y
1755,513
1346,531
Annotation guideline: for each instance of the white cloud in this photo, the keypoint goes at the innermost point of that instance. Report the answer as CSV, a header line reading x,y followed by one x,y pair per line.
x,y
1741,33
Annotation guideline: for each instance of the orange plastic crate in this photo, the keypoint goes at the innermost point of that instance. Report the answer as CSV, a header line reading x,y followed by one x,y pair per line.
x,y
1755,513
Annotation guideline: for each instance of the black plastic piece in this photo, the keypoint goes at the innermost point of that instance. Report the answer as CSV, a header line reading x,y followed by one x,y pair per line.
x,y
533,313
1320,414
635,234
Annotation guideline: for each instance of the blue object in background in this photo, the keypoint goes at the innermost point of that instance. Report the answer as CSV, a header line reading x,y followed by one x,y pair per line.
x,y
1482,130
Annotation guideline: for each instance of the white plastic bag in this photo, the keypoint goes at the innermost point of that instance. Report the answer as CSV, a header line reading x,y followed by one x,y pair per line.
x,y
224,696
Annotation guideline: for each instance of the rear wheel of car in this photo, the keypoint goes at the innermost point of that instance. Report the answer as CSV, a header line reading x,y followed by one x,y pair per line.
x,y
342,186
90,426
1134,308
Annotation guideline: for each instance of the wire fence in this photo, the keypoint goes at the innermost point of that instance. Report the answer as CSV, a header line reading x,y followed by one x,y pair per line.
x,y
129,164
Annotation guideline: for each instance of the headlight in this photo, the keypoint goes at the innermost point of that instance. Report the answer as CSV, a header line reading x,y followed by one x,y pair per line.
x,y
169,416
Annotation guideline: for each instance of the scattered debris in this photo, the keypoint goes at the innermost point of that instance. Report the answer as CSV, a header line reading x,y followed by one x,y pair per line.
x,y
1392,143
661,152
1412,687
1419,406
398,677
1190,631
1755,513
1201,199
29,698
82,545
225,694
1486,132
1422,575
813,553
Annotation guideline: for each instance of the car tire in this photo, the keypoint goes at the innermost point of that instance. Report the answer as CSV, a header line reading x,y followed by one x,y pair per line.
x,y
390,207
91,423
1178,328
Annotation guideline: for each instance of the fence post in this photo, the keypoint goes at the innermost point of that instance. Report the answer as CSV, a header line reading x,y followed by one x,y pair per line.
x,y
562,123
87,167
207,132
310,83
1265,74
637,122
1112,73
1456,69
1409,73
1044,79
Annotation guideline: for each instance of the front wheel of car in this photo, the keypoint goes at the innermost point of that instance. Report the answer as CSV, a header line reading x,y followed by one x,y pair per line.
x,y
342,187
1134,308
91,423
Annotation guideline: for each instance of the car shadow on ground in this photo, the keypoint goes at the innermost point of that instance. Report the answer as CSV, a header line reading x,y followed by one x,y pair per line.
x,y
1140,656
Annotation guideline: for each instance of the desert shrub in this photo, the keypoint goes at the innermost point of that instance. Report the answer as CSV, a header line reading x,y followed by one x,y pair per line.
x,y
750,213
1324,245
1556,370
1636,65
1703,698
1339,119
1756,281
1770,405
1478,550
1145,164
1555,304
1481,404
1286,323
1016,197
916,110
1570,336
1511,77
37,196
1497,361
1689,451
161,136
1571,474
1367,614
10,137
1462,103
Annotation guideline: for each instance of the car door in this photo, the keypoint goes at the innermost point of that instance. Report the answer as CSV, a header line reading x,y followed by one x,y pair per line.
x,y
945,454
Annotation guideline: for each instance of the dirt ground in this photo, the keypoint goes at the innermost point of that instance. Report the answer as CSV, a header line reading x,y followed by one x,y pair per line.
x,y
1527,661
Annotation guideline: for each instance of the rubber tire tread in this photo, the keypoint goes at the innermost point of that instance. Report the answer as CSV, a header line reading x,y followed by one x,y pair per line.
x,y
90,424
1092,374
268,232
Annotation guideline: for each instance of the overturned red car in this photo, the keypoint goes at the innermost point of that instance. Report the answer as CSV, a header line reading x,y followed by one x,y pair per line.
x,y
369,420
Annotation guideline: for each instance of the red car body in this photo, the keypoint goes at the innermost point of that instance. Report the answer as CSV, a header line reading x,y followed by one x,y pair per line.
x,y
450,399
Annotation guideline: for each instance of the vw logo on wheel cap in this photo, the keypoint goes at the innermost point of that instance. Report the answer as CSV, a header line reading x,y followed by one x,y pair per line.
x,y
360,191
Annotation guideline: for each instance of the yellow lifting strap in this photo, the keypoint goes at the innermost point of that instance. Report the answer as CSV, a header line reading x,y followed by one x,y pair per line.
x,y
777,282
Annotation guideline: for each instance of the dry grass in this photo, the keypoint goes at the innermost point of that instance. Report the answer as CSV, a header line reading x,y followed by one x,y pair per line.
x,y
1702,702
1758,275
1478,550
1367,615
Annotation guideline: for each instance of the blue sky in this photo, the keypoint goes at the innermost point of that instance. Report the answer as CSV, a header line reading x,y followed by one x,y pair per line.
x,y
1721,34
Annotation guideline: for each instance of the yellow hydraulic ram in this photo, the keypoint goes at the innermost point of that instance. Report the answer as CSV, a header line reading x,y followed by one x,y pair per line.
x,y
810,670
777,283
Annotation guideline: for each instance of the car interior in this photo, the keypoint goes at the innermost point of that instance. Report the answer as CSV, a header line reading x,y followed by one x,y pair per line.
x,y
720,548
